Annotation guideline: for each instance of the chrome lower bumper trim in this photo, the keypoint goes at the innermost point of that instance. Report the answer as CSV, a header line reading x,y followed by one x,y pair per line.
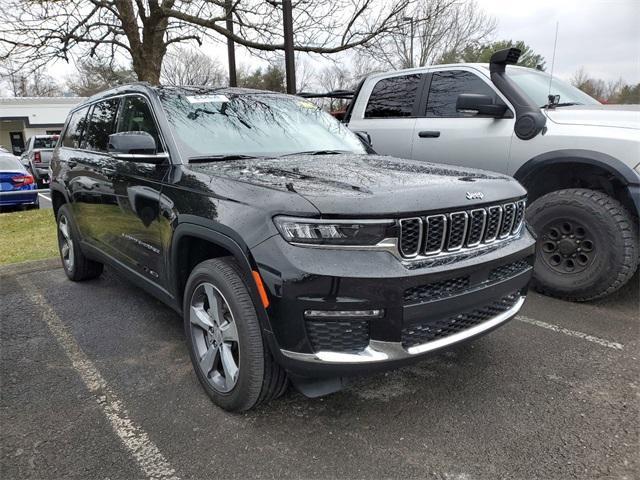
x,y
378,351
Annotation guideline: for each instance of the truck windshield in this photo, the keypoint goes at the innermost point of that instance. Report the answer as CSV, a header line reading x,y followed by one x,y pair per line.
x,y
257,125
536,85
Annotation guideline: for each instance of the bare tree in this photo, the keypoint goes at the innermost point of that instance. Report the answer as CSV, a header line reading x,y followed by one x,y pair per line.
x,y
36,32
184,66
438,26
29,84
94,75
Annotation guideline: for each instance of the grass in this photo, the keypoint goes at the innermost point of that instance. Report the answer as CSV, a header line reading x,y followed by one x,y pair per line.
x,y
28,235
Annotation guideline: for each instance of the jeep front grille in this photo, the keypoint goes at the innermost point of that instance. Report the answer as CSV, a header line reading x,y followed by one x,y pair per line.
x,y
454,231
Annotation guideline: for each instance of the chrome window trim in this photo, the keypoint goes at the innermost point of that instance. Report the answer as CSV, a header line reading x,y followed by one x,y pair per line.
x,y
379,351
484,222
444,234
420,236
464,231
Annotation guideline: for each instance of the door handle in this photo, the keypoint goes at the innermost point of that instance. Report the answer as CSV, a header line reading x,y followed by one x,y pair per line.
x,y
429,134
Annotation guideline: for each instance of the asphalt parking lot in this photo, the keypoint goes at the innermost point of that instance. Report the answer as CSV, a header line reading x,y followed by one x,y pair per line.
x,y
97,383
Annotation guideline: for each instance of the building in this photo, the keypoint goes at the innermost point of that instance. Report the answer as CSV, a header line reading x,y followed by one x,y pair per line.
x,y
22,117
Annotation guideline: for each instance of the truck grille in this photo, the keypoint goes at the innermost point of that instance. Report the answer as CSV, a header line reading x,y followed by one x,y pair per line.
x,y
428,331
338,336
457,230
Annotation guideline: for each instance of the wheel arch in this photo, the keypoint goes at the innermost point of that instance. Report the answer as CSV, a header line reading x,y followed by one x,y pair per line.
x,y
193,243
58,198
575,168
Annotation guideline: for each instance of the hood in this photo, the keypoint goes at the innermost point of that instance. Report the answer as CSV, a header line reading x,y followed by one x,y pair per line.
x,y
621,116
371,185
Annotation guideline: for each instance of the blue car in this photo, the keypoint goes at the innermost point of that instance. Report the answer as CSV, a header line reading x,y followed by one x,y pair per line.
x,y
13,178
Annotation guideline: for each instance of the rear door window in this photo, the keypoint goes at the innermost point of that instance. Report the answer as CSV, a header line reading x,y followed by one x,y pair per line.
x,y
393,97
73,133
136,116
101,125
445,88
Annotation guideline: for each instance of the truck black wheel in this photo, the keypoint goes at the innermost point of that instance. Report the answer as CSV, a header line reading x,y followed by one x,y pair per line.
x,y
228,352
587,244
75,264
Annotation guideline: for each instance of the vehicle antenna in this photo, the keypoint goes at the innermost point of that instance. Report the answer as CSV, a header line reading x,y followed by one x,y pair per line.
x,y
553,62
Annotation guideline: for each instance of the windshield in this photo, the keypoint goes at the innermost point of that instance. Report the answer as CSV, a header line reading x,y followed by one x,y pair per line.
x,y
536,85
45,142
256,125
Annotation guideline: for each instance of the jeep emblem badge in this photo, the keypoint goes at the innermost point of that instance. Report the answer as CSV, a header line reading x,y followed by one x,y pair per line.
x,y
475,195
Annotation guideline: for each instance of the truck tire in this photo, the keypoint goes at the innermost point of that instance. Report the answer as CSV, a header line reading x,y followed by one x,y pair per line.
x,y
76,266
231,359
587,245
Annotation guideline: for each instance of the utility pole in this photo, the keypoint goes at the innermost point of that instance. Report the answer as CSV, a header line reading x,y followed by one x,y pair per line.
x,y
410,19
289,55
231,45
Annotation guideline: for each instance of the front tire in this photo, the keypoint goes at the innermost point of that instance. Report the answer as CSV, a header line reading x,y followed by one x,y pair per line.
x,y
587,244
76,266
230,358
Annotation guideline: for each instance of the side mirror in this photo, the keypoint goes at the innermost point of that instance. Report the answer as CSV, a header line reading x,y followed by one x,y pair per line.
x,y
135,146
479,104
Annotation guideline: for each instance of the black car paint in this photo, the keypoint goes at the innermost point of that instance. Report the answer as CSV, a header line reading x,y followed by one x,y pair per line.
x,y
135,216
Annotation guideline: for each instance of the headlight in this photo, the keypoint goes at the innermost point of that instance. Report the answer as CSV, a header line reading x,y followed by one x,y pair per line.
x,y
334,232
637,168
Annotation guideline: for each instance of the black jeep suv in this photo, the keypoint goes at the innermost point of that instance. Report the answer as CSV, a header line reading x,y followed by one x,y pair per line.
x,y
291,251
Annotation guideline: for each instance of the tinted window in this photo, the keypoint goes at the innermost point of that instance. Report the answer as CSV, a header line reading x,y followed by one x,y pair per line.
x,y
136,117
101,125
393,97
445,88
46,142
73,134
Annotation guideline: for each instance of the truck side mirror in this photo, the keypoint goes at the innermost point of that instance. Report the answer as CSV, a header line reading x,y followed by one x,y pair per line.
x,y
479,104
365,139
135,146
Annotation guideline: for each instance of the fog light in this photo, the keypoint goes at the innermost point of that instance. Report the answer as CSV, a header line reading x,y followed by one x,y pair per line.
x,y
343,313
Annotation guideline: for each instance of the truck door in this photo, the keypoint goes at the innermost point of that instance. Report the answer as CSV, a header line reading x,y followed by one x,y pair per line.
x,y
389,115
441,134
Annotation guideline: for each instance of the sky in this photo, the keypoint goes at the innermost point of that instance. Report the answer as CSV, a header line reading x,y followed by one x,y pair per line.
x,y
601,36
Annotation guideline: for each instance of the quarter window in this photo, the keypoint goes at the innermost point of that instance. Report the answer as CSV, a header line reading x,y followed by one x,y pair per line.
x,y
101,125
136,116
445,88
73,134
393,97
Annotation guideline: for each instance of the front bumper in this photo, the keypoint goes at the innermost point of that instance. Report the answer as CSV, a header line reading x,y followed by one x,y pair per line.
x,y
427,306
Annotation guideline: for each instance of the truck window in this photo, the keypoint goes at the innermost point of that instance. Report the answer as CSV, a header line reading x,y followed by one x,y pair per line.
x,y
73,134
136,116
445,88
393,97
46,142
101,125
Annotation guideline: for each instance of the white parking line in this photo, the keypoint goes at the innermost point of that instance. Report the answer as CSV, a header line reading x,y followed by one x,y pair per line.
x,y
571,333
44,196
135,439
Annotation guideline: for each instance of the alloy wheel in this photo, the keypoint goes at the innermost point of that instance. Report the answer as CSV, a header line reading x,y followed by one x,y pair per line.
x,y
66,243
215,337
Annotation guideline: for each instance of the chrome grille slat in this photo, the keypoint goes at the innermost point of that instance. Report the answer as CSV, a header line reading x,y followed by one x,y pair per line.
x,y
436,227
457,231
410,236
508,216
465,229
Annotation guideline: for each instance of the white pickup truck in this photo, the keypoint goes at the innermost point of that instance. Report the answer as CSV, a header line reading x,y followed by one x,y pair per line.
x,y
578,159
37,155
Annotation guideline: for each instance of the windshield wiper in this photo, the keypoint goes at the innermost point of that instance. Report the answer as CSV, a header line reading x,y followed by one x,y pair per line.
x,y
317,152
565,104
220,158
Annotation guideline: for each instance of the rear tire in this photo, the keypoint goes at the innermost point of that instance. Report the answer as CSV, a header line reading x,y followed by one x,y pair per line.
x,y
229,355
587,244
76,266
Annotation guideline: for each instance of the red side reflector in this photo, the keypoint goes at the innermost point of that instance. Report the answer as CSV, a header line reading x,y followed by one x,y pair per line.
x,y
36,157
261,290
